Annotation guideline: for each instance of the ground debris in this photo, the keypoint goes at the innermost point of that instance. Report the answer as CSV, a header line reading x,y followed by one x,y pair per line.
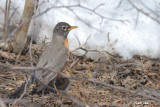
x,y
139,74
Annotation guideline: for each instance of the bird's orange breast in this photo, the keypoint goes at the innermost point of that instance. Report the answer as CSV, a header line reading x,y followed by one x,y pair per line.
x,y
66,45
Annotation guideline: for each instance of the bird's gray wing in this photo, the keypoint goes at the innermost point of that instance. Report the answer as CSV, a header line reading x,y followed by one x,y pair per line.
x,y
54,61
41,63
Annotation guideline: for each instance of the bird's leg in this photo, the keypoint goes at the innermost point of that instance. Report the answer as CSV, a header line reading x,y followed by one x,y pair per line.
x,y
53,84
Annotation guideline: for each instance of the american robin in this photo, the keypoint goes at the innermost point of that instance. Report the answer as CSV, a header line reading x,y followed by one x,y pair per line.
x,y
53,58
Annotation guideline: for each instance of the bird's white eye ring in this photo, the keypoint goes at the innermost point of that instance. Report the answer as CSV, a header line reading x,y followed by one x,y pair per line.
x,y
64,28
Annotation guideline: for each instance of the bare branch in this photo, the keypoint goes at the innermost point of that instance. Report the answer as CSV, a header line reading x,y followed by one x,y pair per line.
x,y
152,11
83,7
102,4
78,40
143,12
5,27
81,47
106,53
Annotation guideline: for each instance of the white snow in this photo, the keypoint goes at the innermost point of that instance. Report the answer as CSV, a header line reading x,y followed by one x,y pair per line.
x,y
135,33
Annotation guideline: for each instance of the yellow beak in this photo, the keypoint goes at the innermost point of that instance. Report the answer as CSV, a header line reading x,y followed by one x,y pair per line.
x,y
72,27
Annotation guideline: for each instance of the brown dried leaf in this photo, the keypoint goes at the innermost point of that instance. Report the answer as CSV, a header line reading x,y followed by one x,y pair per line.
x,y
138,69
147,64
152,74
6,55
67,73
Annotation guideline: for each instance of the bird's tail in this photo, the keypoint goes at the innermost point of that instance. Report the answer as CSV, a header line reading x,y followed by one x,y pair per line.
x,y
20,90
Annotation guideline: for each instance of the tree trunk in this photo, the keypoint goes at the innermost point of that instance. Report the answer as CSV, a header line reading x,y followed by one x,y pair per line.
x,y
20,37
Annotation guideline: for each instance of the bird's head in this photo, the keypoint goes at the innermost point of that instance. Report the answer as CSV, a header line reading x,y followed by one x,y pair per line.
x,y
62,29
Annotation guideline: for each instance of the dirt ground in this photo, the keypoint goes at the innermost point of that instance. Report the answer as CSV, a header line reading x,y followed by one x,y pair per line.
x,y
96,83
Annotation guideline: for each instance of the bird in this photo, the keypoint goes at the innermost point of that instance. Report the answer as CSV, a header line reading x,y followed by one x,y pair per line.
x,y
52,59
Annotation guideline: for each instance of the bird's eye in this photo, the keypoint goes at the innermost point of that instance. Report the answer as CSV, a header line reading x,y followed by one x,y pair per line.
x,y
64,28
